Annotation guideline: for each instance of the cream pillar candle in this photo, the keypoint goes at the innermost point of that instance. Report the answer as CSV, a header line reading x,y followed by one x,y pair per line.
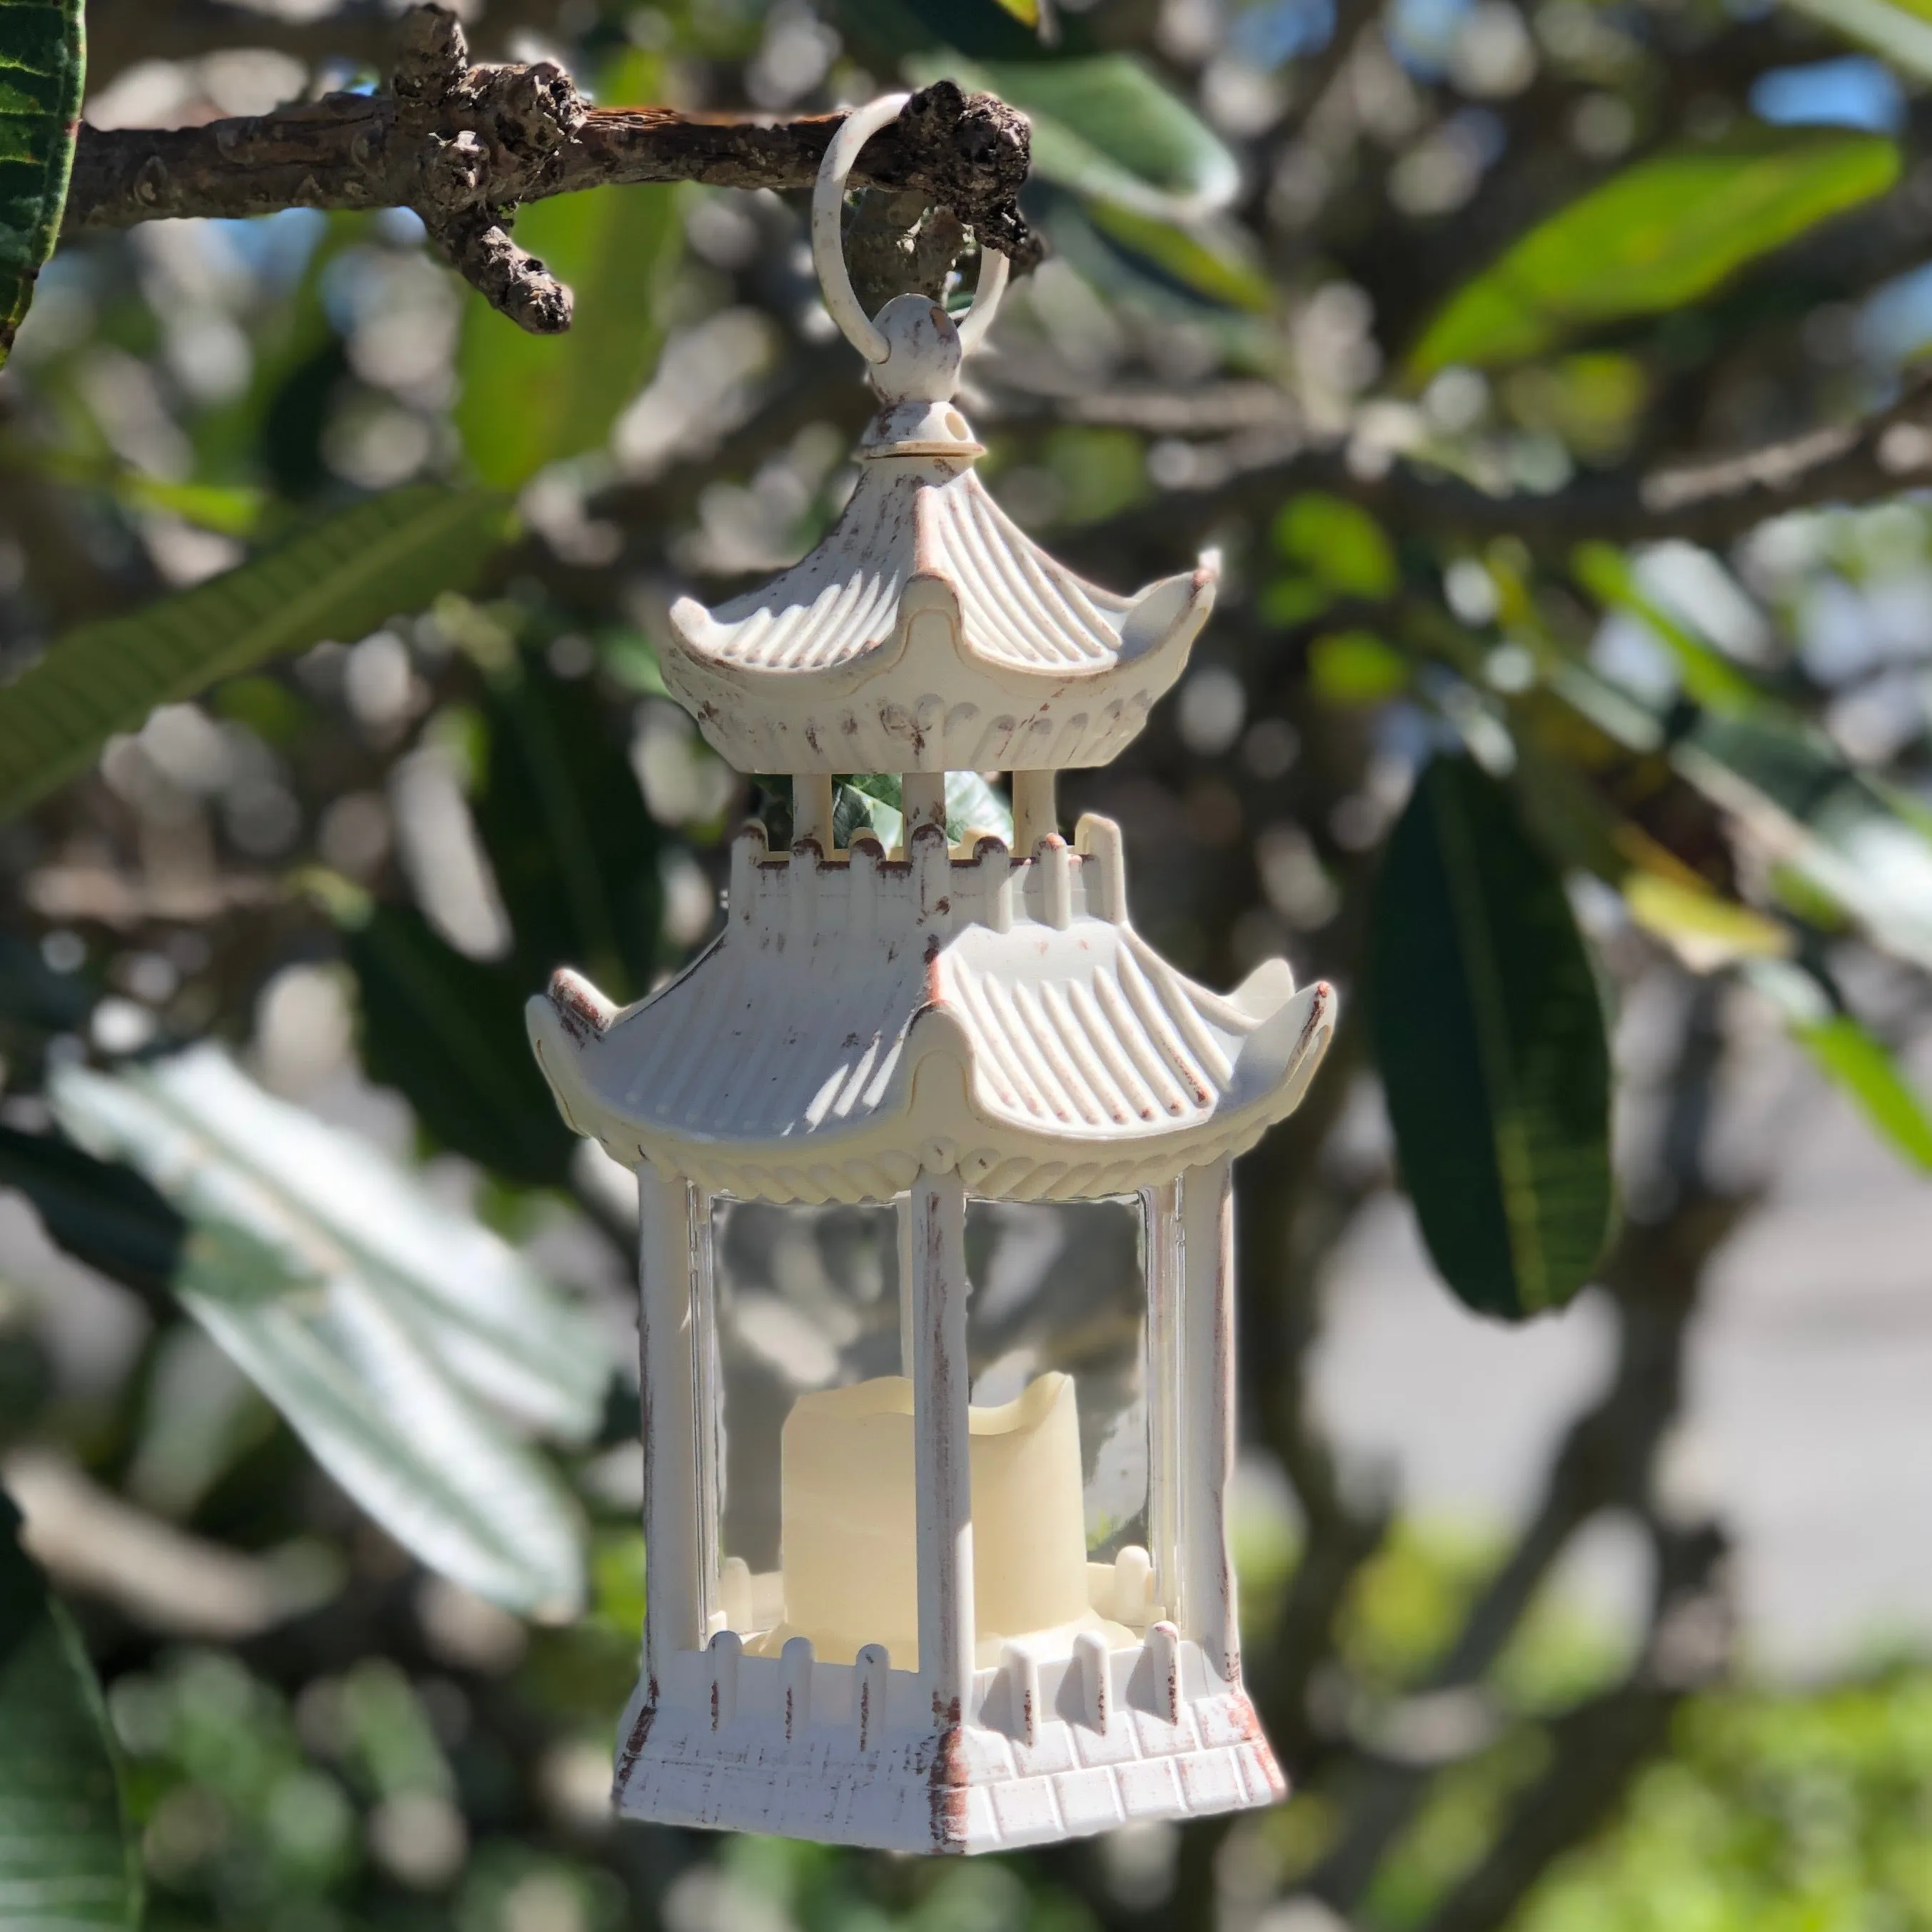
x,y
850,1545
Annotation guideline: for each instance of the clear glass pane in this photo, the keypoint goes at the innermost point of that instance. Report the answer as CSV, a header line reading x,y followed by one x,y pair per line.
x,y
807,1300
1062,1286
813,1441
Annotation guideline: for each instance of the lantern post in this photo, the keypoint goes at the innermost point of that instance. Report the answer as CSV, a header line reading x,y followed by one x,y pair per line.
x,y
932,1659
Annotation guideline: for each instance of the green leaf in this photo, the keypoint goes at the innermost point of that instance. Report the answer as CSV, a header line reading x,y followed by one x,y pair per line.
x,y
1104,126
1354,667
1026,12
1842,839
341,578
1662,233
105,1214
66,1860
527,400
1850,1056
1489,1033
1789,790
393,1333
1213,259
1708,676
43,72
972,805
448,1032
574,849
1902,33
1704,931
869,801
1867,1071
1339,543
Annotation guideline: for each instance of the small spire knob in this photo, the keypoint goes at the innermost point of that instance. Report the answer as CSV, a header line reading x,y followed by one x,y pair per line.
x,y
922,364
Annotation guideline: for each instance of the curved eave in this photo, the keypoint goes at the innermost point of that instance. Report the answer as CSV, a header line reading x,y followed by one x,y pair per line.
x,y
937,1110
926,601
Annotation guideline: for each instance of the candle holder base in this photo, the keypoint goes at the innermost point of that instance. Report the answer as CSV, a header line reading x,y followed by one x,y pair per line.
x,y
1050,1749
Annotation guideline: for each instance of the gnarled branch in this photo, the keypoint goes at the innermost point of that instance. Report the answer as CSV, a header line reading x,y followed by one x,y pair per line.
x,y
464,145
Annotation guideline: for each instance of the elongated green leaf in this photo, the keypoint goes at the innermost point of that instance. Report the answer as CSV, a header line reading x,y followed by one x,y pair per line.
x,y
1489,1033
869,801
1709,676
66,1860
1213,259
339,579
447,1032
574,849
1850,1056
1866,1071
1104,125
107,1215
530,400
372,1317
1900,30
1791,792
1664,232
1794,798
43,69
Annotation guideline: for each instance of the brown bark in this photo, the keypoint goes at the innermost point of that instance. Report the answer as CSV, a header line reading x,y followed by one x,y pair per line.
x,y
463,145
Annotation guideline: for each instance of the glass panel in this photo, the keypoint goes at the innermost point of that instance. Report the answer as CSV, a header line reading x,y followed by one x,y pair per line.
x,y
807,1300
1060,1290
817,1516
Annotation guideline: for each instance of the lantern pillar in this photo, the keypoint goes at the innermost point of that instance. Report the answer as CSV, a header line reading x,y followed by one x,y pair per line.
x,y
671,1244
1208,1609
935,1212
1166,1406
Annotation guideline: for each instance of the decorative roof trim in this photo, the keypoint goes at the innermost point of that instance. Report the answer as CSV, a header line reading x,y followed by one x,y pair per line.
x,y
1010,1028
928,632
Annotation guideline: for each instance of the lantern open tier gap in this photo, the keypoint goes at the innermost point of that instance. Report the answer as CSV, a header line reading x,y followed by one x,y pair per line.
x,y
929,1027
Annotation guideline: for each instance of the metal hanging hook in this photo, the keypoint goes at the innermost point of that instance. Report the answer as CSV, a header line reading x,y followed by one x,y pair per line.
x,y
828,241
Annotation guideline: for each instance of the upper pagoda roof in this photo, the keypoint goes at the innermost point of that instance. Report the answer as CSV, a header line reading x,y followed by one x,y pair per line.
x,y
928,632
860,1019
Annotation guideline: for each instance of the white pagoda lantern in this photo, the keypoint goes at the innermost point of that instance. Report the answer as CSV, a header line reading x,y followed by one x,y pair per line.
x,y
928,1642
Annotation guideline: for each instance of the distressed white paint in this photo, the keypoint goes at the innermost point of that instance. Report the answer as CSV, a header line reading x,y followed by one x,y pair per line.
x,y
674,1614
941,1463
1207,1610
942,1022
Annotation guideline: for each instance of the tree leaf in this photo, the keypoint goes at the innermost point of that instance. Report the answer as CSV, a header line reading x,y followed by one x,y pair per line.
x,y
66,1859
43,73
1213,259
1708,676
1850,1056
104,1214
447,1032
341,578
575,850
392,1333
1490,1032
1662,233
1104,125
1901,32
527,400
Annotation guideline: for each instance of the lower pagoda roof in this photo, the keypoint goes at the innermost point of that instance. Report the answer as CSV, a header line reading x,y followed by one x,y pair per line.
x,y
861,1018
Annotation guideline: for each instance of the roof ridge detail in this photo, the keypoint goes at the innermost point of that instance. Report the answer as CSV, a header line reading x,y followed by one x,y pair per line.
x,y
927,632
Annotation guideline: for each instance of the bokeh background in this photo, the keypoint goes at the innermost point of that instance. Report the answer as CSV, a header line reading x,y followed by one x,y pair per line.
x,y
1620,1617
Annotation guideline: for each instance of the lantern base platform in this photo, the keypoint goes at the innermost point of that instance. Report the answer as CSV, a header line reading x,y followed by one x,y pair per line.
x,y
711,1750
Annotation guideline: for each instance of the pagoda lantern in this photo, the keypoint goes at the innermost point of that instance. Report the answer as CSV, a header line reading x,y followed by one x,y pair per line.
x,y
933,1154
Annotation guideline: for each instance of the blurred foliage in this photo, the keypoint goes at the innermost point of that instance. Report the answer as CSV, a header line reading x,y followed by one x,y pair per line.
x,y
46,65
316,761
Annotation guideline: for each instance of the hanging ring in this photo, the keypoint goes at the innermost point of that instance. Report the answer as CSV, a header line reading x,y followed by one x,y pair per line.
x,y
828,240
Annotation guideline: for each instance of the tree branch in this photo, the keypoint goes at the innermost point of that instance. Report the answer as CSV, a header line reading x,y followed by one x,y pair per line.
x,y
464,144
1712,502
